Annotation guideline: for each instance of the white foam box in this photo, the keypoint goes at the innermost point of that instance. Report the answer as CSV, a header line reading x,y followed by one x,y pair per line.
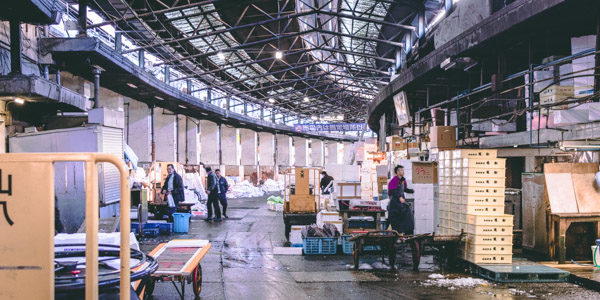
x,y
480,172
329,216
479,181
493,239
287,250
593,109
483,200
474,153
498,220
556,94
490,258
296,235
489,229
483,163
483,209
570,116
424,226
492,249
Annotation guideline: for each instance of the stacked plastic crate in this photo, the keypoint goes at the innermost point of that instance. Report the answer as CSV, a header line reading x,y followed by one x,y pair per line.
x,y
477,208
444,223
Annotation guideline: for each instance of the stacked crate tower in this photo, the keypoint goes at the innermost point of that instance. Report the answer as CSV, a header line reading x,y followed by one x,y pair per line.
x,y
472,184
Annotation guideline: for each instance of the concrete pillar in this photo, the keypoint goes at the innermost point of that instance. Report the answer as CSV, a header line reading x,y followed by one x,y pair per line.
x,y
229,146
348,153
301,152
209,142
317,153
284,150
110,99
192,141
165,126
333,156
249,147
181,138
138,130
266,153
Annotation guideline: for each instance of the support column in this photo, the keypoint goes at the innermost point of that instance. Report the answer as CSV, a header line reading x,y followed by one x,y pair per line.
x,y
348,153
82,18
139,130
284,150
249,145
165,126
266,153
300,152
182,142
333,156
192,141
209,142
15,47
229,146
317,153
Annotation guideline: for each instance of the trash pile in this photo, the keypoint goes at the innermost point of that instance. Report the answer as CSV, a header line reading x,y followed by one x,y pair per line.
x,y
272,186
275,203
243,189
454,283
328,230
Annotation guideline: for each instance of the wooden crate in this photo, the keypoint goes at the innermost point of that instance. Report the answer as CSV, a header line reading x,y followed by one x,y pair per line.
x,y
488,248
302,181
479,181
302,203
493,210
348,190
488,163
484,191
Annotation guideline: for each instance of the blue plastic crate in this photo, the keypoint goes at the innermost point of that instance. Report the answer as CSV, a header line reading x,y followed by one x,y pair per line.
x,y
151,232
151,225
165,228
319,245
348,247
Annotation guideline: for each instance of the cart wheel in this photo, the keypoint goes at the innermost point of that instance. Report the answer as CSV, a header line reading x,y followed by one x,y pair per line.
x,y
197,281
416,255
149,289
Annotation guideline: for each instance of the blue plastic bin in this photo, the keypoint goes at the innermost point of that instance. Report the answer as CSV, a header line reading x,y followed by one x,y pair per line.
x,y
319,245
181,222
165,228
348,247
150,232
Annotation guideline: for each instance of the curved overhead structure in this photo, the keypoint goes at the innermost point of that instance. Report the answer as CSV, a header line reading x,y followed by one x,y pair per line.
x,y
320,60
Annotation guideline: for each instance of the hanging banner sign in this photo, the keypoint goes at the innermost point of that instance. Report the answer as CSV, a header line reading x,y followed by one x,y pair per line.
x,y
402,112
329,127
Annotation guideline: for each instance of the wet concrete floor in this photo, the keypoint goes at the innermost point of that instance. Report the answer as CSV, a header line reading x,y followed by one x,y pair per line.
x,y
241,265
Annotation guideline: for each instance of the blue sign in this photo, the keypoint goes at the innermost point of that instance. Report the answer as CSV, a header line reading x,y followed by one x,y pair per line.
x,y
329,127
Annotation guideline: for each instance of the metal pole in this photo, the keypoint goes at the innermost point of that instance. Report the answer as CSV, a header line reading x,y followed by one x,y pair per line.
x,y
15,47
118,42
82,18
153,145
96,73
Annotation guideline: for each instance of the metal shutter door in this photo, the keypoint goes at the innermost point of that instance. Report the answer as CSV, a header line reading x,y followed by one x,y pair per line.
x,y
111,141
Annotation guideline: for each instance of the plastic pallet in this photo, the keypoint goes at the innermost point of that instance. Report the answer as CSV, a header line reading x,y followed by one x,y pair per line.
x,y
517,272
319,245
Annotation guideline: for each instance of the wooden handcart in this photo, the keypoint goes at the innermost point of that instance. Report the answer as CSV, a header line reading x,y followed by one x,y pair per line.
x,y
387,241
179,261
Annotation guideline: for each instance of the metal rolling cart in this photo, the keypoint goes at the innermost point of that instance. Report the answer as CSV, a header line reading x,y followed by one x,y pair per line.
x,y
179,261
387,241
302,196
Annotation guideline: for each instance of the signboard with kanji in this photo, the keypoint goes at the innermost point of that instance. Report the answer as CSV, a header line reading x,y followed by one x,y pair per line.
x,y
329,127
26,230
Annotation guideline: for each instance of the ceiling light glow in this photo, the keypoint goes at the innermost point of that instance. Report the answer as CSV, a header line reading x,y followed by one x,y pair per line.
x,y
279,55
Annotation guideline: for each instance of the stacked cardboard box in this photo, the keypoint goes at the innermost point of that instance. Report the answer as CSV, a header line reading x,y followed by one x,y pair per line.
x,y
426,195
473,202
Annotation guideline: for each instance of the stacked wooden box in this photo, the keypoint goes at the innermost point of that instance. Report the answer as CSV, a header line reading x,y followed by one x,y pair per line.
x,y
472,185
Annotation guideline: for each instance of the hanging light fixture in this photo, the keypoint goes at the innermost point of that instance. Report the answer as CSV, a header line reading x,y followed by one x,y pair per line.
x,y
279,54
271,100
306,99
221,55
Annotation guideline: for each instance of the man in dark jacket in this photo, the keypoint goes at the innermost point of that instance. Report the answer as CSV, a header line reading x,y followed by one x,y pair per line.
x,y
223,187
212,190
325,181
173,190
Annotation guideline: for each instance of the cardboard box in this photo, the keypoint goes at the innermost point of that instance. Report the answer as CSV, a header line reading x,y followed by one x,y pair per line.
x,y
443,137
382,182
302,203
556,94
424,172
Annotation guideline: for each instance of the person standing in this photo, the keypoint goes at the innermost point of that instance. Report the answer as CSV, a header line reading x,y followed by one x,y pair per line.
x,y
223,188
173,191
399,212
212,190
325,184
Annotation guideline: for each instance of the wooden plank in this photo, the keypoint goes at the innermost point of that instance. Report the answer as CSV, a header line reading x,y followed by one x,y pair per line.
x,y
586,190
191,265
561,193
577,168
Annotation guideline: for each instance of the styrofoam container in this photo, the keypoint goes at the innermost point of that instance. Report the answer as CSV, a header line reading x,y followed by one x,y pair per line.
x,y
484,191
296,235
570,117
479,181
499,220
490,258
483,200
490,210
490,239
489,229
483,163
